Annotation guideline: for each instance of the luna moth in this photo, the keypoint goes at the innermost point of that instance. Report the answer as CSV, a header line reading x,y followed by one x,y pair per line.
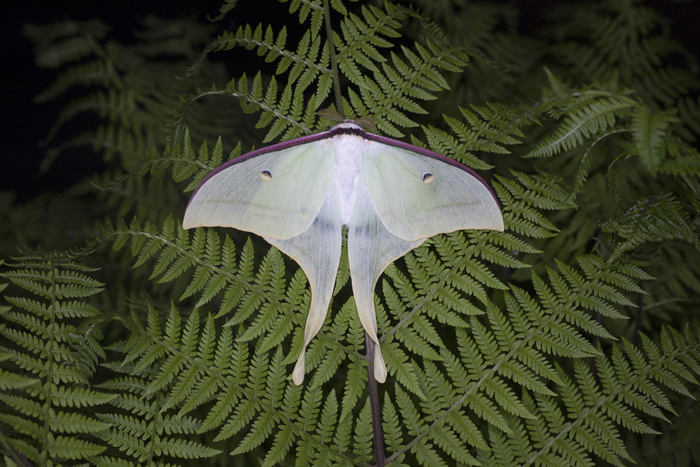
x,y
299,194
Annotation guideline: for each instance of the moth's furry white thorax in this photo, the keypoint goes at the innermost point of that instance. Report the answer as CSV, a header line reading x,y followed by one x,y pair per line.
x,y
349,152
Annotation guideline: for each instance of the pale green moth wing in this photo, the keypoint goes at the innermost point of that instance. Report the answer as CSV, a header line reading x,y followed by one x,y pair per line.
x,y
371,248
417,196
317,250
409,194
285,194
298,195
260,192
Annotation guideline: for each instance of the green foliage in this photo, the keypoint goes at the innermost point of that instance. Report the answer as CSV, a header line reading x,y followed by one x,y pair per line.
x,y
569,339
51,344
143,429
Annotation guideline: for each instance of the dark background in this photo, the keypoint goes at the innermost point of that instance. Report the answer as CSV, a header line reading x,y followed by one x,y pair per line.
x,y
25,124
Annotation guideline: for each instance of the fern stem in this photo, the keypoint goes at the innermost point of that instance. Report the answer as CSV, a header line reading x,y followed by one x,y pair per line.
x,y
48,389
334,60
374,404
11,451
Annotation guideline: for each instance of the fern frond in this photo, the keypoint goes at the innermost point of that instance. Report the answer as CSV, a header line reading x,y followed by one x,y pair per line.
x,y
628,385
254,400
290,113
649,130
144,399
147,198
49,377
521,200
505,348
314,8
625,389
657,219
511,348
130,103
394,91
625,39
361,37
306,58
583,121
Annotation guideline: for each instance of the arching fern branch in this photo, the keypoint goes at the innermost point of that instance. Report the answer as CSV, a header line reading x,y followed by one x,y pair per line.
x,y
292,112
143,425
247,394
626,40
485,129
130,93
214,266
46,402
626,386
587,114
305,60
153,197
393,92
596,114
126,196
657,219
519,347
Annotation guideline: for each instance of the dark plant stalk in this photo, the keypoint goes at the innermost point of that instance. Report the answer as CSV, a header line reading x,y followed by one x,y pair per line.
x,y
334,61
13,453
374,404
372,383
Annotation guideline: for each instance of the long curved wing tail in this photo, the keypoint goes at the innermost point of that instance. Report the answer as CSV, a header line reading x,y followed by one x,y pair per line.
x,y
371,248
317,250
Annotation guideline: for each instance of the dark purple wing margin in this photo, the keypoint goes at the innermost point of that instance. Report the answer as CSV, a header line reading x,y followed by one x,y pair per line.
x,y
425,152
339,130
261,151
